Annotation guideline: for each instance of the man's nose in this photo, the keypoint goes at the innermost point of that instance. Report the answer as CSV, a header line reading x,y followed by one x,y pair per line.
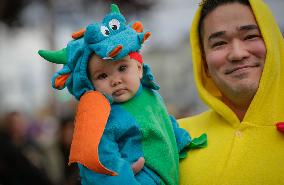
x,y
238,51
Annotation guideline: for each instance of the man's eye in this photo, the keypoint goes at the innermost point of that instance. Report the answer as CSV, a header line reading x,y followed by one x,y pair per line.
x,y
216,44
249,37
102,76
122,68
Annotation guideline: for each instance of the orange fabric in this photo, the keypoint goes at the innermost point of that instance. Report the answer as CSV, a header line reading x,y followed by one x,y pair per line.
x,y
146,36
116,50
78,34
138,27
61,80
91,118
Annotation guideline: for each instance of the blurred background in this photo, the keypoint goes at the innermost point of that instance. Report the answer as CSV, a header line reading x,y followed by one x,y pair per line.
x,y
36,121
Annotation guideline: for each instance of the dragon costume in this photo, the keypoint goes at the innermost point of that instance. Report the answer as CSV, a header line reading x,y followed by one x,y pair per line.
x,y
109,137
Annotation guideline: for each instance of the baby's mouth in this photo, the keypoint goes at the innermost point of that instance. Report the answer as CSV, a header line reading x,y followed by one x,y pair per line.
x,y
119,92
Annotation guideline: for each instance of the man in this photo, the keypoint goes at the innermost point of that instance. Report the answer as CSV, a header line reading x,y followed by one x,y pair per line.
x,y
238,59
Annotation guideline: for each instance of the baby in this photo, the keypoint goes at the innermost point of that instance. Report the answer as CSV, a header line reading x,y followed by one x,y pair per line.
x,y
121,119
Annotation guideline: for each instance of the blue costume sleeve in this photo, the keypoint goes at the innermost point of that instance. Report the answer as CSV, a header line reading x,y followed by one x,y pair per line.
x,y
183,138
120,146
144,177
110,157
88,177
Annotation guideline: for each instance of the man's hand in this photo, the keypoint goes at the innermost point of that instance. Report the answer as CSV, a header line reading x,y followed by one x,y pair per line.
x,y
138,165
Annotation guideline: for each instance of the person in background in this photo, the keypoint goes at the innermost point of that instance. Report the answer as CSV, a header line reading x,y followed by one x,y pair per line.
x,y
71,173
15,166
238,59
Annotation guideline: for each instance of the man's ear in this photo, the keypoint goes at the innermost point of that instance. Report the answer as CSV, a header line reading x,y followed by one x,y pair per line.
x,y
205,65
206,69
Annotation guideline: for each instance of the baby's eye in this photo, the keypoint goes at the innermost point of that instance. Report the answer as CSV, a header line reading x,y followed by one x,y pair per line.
x,y
101,76
114,24
122,68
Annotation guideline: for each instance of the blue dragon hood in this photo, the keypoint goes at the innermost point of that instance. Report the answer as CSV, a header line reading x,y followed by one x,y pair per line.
x,y
112,39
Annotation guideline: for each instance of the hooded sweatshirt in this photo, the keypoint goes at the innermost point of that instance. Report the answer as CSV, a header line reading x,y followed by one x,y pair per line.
x,y
247,152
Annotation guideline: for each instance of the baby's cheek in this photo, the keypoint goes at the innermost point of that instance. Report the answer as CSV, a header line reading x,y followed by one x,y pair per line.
x,y
101,87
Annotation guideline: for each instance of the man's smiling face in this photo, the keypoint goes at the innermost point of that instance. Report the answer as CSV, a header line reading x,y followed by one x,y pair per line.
x,y
234,50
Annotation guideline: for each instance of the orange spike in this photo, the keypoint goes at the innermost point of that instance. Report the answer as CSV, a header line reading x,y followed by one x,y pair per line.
x,y
88,131
61,80
138,26
146,36
78,34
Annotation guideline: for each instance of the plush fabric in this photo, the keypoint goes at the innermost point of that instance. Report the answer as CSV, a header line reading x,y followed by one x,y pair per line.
x,y
136,128
136,56
58,57
159,144
110,39
249,152
88,132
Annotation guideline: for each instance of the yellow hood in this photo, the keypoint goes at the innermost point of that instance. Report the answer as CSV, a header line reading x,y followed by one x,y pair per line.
x,y
267,107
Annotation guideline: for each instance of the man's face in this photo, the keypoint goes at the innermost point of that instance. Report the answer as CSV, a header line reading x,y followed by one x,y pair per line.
x,y
119,79
234,50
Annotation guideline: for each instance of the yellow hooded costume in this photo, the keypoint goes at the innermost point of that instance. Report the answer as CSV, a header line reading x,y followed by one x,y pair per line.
x,y
247,152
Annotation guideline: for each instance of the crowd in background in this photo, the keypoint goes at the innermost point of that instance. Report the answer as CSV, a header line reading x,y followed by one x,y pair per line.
x,y
35,151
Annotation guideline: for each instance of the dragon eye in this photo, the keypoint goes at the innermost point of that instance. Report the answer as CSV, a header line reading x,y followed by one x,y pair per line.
x,y
104,31
114,24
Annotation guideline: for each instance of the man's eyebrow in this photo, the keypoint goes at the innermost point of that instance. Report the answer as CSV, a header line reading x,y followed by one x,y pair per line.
x,y
216,34
248,27
241,28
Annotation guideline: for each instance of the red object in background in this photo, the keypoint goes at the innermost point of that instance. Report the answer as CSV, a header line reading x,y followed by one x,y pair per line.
x,y
280,126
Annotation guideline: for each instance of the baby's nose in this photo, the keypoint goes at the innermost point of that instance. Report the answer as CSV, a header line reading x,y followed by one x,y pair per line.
x,y
115,82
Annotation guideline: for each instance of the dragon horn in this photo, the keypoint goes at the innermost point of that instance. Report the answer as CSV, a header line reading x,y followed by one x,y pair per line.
x,y
114,8
57,57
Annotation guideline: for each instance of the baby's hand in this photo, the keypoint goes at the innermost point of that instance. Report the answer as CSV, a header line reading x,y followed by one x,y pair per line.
x,y
138,165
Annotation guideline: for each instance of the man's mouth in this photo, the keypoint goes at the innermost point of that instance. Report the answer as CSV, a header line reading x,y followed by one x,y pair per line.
x,y
240,68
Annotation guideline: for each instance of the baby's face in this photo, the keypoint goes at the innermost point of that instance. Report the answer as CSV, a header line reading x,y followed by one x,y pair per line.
x,y
119,79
